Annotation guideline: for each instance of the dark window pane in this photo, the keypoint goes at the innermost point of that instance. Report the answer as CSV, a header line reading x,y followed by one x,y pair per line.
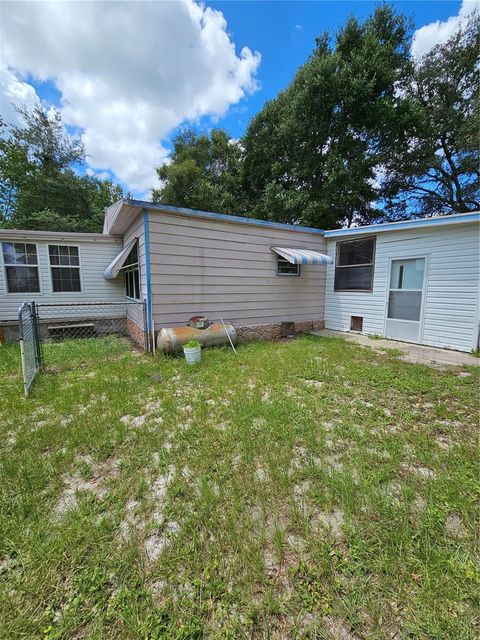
x,y
132,284
132,257
284,267
137,284
22,280
65,279
353,278
356,252
74,259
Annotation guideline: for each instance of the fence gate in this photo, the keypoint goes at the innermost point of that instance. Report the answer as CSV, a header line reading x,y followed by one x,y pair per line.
x,y
30,346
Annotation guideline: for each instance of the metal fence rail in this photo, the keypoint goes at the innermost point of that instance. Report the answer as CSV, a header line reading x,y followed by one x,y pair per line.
x,y
30,346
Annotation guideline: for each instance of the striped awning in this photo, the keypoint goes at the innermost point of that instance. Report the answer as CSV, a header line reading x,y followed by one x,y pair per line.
x,y
117,263
302,256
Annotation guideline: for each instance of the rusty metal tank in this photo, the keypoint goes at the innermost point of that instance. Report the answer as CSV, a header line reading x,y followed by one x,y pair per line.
x,y
171,339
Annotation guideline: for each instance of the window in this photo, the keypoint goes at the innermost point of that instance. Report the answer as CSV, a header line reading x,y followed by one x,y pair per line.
x,y
132,274
354,265
65,268
21,267
286,268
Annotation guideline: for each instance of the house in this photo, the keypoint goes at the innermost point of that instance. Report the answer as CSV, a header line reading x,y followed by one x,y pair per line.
x,y
416,281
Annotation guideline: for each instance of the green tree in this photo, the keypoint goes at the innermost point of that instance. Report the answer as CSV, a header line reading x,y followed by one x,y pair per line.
x,y
204,173
313,155
39,184
436,170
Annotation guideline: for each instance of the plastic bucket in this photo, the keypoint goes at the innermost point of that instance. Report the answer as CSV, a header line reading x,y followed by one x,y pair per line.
x,y
193,355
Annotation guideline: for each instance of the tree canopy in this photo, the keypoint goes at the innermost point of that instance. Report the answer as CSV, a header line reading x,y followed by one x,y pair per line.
x,y
312,155
204,173
40,185
362,133
437,168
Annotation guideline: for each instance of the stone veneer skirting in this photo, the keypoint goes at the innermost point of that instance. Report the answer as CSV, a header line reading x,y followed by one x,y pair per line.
x,y
277,330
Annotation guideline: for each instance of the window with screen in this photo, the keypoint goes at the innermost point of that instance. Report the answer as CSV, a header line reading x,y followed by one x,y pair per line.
x,y
132,274
286,268
65,268
21,267
354,265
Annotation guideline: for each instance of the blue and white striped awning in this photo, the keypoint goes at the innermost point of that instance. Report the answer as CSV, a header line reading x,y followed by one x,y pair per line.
x,y
302,256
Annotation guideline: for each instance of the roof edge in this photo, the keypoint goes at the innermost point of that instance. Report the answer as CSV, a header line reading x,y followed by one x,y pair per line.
x,y
57,235
454,218
114,212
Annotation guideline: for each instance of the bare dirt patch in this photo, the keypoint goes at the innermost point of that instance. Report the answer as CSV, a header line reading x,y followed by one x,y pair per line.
x,y
454,526
76,483
338,629
332,521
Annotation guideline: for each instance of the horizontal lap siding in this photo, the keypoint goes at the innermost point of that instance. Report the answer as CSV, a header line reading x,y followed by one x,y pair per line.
x,y
225,269
94,258
452,292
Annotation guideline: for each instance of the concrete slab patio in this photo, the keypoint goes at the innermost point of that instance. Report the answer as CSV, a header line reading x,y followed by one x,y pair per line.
x,y
411,352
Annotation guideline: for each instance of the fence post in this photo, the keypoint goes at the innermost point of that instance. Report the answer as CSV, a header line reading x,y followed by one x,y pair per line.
x,y
38,343
22,350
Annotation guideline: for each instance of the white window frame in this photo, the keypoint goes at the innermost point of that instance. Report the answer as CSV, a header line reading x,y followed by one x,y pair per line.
x,y
5,265
65,266
133,267
338,245
281,259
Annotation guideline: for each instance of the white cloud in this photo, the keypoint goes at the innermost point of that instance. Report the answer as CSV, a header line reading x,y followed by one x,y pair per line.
x,y
14,92
425,38
128,72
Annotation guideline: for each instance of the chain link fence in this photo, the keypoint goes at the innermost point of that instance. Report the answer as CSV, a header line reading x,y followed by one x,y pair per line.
x,y
42,322
74,321
30,345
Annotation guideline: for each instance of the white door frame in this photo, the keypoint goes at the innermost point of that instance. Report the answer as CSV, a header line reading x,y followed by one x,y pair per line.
x,y
421,319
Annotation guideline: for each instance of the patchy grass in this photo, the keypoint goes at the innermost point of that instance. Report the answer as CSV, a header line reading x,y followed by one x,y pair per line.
x,y
311,488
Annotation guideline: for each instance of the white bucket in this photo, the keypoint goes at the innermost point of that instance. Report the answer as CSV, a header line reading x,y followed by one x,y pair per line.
x,y
192,355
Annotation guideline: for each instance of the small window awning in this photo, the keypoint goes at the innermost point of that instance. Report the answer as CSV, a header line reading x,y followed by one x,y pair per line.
x,y
302,256
117,263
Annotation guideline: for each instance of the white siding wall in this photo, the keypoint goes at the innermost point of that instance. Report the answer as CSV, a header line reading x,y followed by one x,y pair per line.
x,y
452,287
95,256
218,268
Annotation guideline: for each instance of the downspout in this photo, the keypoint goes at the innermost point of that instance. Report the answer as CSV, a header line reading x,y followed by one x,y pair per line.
x,y
146,237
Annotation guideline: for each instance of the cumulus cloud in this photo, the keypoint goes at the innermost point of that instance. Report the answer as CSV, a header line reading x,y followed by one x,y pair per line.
x,y
438,32
14,92
128,72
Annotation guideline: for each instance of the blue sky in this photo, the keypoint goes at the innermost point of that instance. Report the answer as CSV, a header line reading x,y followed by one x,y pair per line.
x,y
127,75
285,32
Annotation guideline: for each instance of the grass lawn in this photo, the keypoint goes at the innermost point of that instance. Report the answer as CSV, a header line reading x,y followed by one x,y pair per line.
x,y
311,489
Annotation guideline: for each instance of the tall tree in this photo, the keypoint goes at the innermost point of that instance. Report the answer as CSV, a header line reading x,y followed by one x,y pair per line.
x,y
39,184
313,155
204,173
436,170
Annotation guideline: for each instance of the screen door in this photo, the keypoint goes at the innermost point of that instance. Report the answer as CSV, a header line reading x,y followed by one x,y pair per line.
x,y
405,299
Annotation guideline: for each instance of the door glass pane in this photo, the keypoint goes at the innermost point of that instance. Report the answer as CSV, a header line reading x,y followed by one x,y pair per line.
x,y
407,274
404,305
